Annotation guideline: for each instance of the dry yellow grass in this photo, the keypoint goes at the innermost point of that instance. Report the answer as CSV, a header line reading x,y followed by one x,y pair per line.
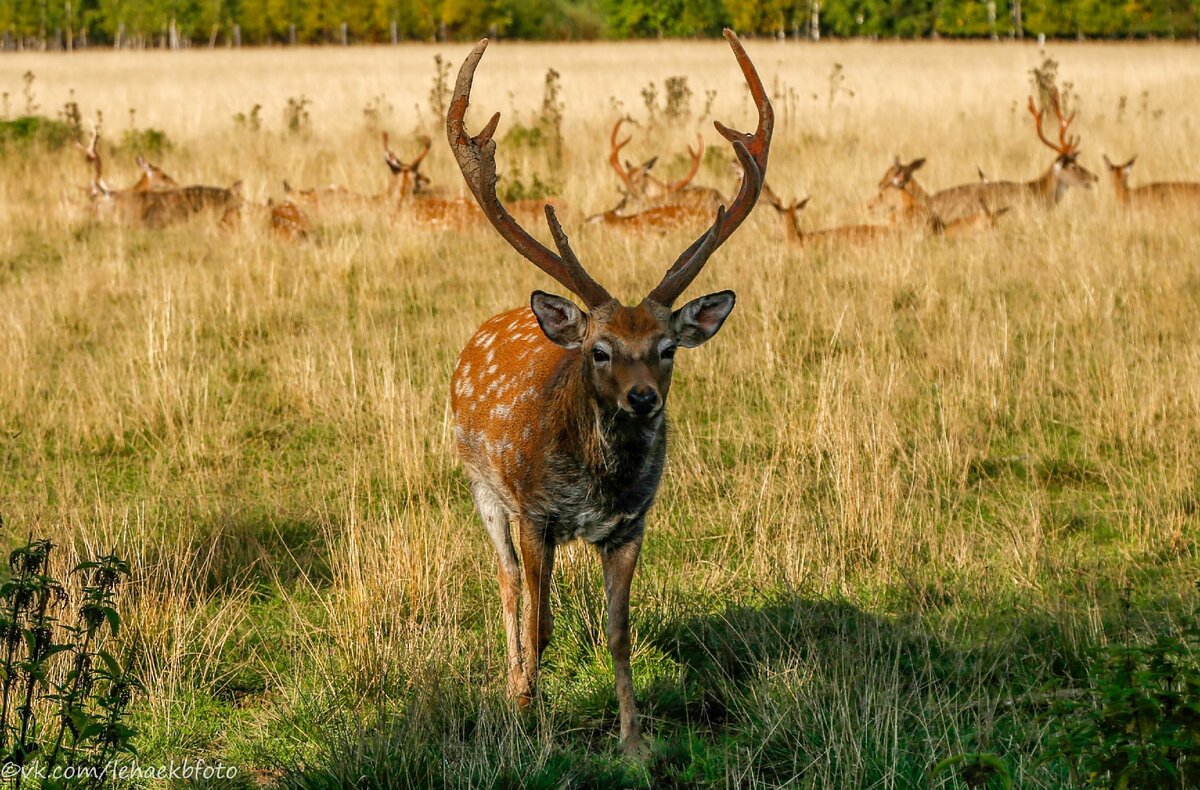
x,y
912,479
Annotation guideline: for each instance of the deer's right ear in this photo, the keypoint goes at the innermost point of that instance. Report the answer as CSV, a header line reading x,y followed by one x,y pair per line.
x,y
561,319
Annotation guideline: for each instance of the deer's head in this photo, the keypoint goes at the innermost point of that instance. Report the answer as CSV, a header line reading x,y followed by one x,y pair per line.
x,y
626,353
895,195
1120,173
1066,168
408,178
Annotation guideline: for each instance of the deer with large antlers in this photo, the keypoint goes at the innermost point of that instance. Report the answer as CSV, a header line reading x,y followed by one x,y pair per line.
x,y
645,194
1044,191
559,412
1176,194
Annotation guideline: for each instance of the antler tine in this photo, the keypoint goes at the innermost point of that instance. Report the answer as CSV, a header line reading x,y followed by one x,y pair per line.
x,y
614,157
427,144
1037,117
1068,144
752,151
476,157
697,157
92,153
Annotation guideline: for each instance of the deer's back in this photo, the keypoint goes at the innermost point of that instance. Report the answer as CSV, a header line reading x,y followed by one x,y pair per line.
x,y
1168,193
966,200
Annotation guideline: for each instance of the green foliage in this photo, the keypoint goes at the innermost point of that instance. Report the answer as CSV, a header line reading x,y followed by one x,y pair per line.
x,y
64,696
34,130
514,188
145,141
320,21
1136,723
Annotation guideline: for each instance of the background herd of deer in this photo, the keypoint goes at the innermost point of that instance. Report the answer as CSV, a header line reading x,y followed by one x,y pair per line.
x,y
901,206
910,490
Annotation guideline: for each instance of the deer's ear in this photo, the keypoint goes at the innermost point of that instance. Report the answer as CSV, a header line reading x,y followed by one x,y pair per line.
x,y
697,321
561,319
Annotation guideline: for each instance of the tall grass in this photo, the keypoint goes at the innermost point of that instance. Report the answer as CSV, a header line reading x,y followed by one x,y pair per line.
x,y
908,487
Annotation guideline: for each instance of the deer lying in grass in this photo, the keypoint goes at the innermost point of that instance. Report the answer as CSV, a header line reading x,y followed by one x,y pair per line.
x,y
288,221
559,413
648,201
156,200
905,201
1175,194
1043,192
152,178
841,235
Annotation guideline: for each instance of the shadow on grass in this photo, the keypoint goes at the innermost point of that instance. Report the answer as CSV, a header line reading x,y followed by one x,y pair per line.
x,y
783,690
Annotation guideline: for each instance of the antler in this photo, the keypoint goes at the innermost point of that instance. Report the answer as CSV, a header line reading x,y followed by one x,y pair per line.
x,y
697,156
476,158
614,157
426,144
751,150
92,153
1066,145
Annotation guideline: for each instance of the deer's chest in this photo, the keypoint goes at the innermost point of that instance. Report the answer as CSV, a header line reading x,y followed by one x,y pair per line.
x,y
602,508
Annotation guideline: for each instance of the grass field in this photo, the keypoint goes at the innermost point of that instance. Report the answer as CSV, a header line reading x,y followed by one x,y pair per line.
x,y
910,486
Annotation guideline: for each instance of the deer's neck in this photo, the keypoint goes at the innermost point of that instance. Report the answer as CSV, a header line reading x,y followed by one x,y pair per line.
x,y
1049,186
1121,187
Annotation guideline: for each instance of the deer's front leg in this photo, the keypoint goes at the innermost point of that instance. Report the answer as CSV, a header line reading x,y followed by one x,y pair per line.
x,y
619,565
496,522
537,553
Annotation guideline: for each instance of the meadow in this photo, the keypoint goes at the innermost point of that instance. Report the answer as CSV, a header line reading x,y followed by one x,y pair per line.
x,y
911,487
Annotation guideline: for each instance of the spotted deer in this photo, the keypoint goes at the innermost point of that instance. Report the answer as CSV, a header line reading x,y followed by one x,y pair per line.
x,y
1043,192
153,178
1177,194
559,412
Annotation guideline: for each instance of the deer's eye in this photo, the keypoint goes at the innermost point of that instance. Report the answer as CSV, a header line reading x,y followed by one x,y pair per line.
x,y
599,355
667,353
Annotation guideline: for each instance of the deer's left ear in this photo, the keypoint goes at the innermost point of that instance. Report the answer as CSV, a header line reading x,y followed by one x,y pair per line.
x,y
698,320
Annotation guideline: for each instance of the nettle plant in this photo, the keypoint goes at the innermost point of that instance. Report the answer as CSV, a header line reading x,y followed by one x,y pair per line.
x,y
64,696
1136,723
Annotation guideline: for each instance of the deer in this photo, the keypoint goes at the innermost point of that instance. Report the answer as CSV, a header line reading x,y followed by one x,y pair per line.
x,y
1161,193
559,411
288,221
153,178
841,235
905,201
1043,192
643,192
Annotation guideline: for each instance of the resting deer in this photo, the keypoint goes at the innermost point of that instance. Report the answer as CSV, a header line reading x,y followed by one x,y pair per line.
x,y
643,193
1043,192
905,201
842,235
559,413
1160,193
153,177
288,221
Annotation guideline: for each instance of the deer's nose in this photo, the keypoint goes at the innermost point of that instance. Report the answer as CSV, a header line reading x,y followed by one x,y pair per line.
x,y
642,400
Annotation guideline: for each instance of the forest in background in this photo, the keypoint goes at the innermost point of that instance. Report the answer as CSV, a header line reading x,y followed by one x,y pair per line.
x,y
176,24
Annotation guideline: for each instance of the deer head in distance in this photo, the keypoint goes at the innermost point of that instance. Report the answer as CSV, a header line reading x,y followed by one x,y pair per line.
x,y
1066,171
559,411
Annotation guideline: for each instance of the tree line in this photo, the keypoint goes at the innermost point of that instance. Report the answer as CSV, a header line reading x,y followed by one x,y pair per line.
x,y
69,24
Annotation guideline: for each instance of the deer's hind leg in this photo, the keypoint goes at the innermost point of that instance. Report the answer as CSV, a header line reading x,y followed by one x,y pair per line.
x,y
496,518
